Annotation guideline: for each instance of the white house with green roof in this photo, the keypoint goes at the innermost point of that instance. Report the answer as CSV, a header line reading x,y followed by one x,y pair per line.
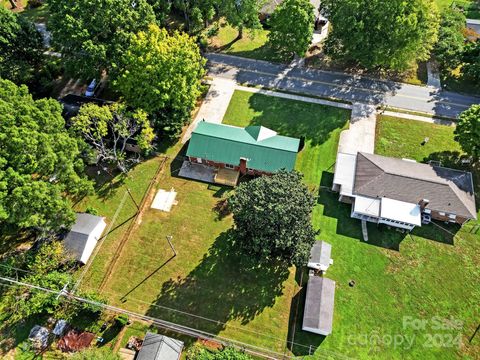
x,y
254,150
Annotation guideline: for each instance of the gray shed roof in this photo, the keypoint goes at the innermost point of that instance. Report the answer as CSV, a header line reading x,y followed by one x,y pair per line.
x,y
447,190
319,305
320,253
86,223
159,347
77,238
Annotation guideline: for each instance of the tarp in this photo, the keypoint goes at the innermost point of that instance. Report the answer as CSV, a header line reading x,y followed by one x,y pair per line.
x,y
75,340
39,336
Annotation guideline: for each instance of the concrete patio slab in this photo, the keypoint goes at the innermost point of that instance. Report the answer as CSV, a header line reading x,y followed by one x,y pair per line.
x,y
197,172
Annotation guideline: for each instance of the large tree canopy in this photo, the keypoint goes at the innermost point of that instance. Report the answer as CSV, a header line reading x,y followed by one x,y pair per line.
x,y
20,47
471,62
161,75
242,13
378,33
451,40
39,163
92,34
467,132
272,217
108,129
292,27
50,267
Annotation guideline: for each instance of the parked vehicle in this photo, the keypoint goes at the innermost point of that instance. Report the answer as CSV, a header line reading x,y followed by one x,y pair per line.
x,y
91,88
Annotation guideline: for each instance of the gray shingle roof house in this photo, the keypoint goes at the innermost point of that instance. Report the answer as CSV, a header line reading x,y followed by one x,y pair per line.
x,y
159,347
83,236
319,305
399,191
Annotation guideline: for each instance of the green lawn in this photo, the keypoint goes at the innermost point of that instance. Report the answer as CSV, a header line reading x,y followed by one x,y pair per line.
x,y
427,274
253,44
319,125
396,276
39,14
209,278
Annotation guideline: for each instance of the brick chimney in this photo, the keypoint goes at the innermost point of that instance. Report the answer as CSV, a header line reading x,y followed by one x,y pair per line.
x,y
423,204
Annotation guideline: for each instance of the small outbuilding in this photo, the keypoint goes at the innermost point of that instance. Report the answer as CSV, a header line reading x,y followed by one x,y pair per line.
x,y
319,305
83,236
160,347
320,256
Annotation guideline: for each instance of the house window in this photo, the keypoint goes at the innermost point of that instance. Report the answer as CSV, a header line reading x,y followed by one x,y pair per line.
x,y
441,213
427,211
228,166
452,216
199,160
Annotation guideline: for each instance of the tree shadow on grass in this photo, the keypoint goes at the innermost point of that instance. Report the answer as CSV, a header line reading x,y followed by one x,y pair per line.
x,y
226,285
296,119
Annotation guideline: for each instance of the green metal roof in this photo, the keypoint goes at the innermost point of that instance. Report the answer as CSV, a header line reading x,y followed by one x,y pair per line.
x,y
262,147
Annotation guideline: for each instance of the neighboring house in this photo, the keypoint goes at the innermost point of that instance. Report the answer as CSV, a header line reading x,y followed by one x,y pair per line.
x,y
473,26
83,236
160,347
402,192
319,305
270,5
254,150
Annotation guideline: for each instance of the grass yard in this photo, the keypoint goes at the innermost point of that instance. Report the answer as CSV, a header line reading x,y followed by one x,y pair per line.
x,y
396,276
208,278
253,44
319,125
39,14
428,273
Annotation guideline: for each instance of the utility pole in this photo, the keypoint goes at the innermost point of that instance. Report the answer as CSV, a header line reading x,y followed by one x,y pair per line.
x,y
169,239
131,197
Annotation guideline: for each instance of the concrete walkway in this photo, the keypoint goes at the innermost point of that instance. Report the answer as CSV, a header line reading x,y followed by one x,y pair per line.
x,y
431,120
360,136
214,105
294,97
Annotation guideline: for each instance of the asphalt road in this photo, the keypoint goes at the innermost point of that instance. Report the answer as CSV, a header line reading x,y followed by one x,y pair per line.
x,y
339,86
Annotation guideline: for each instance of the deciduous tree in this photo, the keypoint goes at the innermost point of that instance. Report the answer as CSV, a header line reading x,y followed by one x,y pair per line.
x,y
228,353
20,47
40,163
292,25
161,75
109,128
92,35
242,14
272,217
451,40
48,267
467,132
377,33
471,62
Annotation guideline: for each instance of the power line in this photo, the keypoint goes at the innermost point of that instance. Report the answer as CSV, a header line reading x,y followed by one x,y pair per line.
x,y
208,319
97,248
259,351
